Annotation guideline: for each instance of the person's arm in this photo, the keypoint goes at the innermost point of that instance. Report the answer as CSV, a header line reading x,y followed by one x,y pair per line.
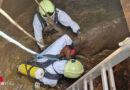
x,y
66,20
56,47
38,31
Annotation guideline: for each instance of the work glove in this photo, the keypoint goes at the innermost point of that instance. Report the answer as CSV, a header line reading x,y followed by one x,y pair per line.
x,y
42,42
82,36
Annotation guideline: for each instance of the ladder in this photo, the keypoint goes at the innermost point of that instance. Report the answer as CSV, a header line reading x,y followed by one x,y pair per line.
x,y
102,68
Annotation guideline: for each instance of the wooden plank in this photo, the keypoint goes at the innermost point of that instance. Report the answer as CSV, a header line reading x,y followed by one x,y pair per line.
x,y
126,8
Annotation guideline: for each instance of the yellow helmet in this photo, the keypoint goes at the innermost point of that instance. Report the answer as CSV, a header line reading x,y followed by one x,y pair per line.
x,y
73,69
47,6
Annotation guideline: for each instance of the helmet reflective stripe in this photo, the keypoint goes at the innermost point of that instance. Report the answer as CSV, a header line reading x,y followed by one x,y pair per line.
x,y
73,69
48,7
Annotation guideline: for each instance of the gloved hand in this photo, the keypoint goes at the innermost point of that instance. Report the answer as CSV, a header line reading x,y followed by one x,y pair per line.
x,y
82,36
41,48
42,42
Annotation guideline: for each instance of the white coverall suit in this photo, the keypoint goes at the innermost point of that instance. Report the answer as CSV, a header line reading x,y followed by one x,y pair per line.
x,y
55,49
63,18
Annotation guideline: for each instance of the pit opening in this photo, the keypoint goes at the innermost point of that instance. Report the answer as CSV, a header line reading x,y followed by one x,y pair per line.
x,y
102,21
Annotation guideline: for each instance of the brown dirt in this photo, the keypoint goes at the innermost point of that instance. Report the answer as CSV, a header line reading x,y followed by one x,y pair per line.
x,y
102,21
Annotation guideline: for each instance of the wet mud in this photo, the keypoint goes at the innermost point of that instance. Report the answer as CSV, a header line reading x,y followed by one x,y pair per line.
x,y
102,22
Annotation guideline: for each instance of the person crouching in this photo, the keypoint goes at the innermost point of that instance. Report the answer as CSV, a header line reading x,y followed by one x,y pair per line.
x,y
53,67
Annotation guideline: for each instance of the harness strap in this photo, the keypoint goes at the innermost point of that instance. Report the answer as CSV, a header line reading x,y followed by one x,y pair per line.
x,y
43,65
56,17
54,68
52,56
48,57
52,76
28,72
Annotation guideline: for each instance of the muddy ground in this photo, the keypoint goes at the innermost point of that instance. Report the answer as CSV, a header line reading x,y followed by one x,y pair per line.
x,y
102,21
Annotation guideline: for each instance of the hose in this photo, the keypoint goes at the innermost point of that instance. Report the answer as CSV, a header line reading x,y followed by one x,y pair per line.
x,y
23,47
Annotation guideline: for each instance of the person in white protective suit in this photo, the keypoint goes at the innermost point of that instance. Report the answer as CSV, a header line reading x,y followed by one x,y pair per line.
x,y
41,22
55,69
